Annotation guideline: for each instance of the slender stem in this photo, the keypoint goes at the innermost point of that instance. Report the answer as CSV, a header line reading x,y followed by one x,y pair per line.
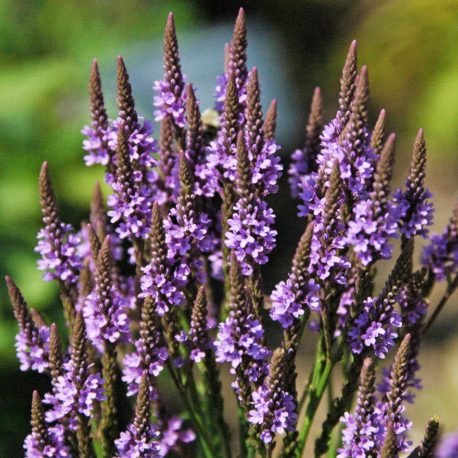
x,y
314,375
450,289
194,416
315,395
336,442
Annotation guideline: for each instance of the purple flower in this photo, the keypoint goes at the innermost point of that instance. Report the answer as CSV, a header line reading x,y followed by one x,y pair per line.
x,y
375,327
448,446
143,359
133,183
281,408
59,253
250,235
239,338
170,101
416,213
32,349
267,168
73,394
129,445
110,325
289,300
53,446
441,255
172,434
369,230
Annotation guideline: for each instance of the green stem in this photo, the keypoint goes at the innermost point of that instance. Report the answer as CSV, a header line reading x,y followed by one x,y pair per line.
x,y
317,370
195,417
450,289
336,442
315,394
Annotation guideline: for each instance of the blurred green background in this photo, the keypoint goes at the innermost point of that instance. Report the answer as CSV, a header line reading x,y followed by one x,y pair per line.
x,y
46,49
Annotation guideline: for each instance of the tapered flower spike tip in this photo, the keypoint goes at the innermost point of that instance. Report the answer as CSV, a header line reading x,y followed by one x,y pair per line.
x,y
38,422
97,105
270,123
142,410
19,305
104,257
186,174
126,103
238,49
37,318
378,134
313,129
254,115
417,166
231,111
362,94
347,81
428,444
316,107
240,25
170,38
171,58
124,172
194,141
301,258
56,359
384,169
47,199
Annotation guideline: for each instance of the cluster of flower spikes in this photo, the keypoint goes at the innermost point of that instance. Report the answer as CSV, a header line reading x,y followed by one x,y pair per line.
x,y
378,426
127,149
169,210
247,220
291,299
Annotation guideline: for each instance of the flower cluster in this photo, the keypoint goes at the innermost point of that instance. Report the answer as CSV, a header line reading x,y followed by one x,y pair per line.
x,y
163,290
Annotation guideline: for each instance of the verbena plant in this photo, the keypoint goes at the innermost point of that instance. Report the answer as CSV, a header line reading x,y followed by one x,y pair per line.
x,y
166,285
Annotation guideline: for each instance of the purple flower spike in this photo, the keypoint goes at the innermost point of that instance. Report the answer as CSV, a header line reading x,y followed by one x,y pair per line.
x,y
32,341
131,204
375,325
171,97
150,353
416,213
273,408
304,160
249,234
158,279
56,244
45,441
290,299
141,437
441,256
75,391
104,310
364,429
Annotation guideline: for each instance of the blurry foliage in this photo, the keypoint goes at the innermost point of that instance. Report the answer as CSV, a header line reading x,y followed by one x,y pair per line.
x,y
410,49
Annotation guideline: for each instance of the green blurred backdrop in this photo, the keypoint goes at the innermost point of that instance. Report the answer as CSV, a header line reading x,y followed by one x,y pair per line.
x,y
46,48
